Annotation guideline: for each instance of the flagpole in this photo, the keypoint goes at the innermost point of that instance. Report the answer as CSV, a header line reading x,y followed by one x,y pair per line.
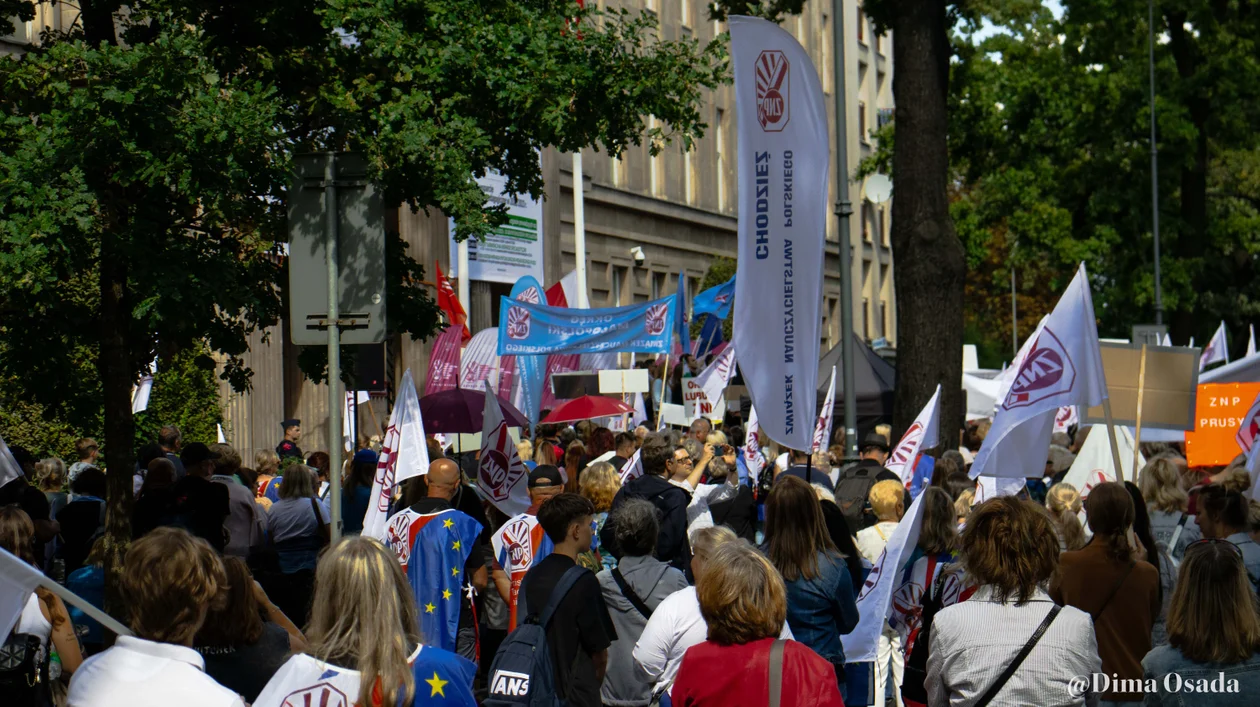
x,y
1111,433
88,608
1137,431
661,398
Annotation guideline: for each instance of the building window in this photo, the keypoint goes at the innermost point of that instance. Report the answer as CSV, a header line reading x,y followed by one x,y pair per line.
x,y
689,176
867,217
866,318
685,6
658,283
861,26
826,54
720,129
862,122
619,276
883,319
618,173
656,167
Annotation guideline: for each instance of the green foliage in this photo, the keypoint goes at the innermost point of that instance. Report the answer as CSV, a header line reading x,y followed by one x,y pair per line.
x,y
185,394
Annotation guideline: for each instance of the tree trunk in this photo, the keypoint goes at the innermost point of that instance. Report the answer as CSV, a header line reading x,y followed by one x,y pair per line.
x,y
929,265
114,367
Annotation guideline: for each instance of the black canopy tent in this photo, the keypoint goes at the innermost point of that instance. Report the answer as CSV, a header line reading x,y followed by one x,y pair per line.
x,y
874,379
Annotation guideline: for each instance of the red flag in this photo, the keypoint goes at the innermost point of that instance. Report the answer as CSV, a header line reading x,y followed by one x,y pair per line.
x,y
448,302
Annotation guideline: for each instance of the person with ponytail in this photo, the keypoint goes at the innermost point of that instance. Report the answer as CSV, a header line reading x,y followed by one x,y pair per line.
x,y
1110,579
1223,514
1064,503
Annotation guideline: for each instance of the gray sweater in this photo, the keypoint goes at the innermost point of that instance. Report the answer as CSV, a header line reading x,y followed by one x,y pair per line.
x,y
652,580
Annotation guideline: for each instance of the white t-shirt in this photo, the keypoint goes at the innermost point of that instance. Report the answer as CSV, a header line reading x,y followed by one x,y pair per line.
x,y
314,682
675,626
32,622
140,673
699,514
871,541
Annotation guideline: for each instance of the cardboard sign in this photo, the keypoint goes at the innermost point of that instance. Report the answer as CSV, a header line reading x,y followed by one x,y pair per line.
x,y
697,404
1220,411
1172,375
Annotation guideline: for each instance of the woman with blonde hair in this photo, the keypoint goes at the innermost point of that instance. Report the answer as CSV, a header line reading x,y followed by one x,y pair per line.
x,y
1063,502
1213,629
267,468
51,473
1166,502
544,454
363,639
599,484
525,450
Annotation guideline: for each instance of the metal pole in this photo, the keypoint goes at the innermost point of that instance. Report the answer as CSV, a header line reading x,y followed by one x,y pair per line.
x,y
843,210
463,279
335,396
1150,41
579,230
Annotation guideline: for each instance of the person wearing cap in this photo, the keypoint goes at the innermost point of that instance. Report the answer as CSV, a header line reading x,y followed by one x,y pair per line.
x,y
855,482
292,433
200,506
521,542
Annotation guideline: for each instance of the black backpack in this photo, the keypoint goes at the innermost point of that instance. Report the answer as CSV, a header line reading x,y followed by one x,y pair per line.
x,y
915,672
521,674
23,671
852,489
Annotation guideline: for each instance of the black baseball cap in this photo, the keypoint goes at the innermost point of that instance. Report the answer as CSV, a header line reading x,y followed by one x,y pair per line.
x,y
195,453
545,475
291,422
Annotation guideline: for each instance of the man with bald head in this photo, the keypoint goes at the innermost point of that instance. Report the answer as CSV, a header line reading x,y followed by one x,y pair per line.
x,y
428,538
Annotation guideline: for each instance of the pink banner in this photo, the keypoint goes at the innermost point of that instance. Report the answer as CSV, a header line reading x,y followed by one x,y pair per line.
x,y
443,371
507,372
558,363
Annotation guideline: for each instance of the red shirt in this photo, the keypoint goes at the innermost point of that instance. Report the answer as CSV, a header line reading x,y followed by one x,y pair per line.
x,y
718,676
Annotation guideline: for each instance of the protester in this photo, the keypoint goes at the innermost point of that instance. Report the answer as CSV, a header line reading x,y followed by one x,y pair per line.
x,y
320,462
799,465
89,582
521,542
171,441
887,504
156,498
632,591
626,444
600,444
1223,515
292,434
853,486
267,466
297,525
51,476
659,463
820,598
246,523
1213,632
580,631
200,506
690,462
599,485
86,451
737,511
1110,580
170,580
574,460
1063,502
363,643
544,454
1157,557
43,616
1166,502
525,450
700,429
356,491
83,518
1010,550
744,604
241,650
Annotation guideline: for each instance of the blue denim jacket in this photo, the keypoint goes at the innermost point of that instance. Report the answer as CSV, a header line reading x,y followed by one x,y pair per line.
x,y
1179,682
821,609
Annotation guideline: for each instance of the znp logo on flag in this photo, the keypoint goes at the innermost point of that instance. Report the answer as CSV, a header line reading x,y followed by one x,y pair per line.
x,y
774,85
1046,372
657,315
909,445
518,323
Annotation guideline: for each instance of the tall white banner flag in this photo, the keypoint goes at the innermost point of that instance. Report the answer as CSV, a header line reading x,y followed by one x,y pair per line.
x,y
1251,339
783,178
874,602
1063,367
1094,465
480,360
822,428
640,412
924,430
1007,377
1217,349
404,454
633,468
501,475
754,459
717,375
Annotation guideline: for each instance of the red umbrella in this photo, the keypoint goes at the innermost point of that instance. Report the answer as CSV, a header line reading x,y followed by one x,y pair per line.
x,y
587,407
460,410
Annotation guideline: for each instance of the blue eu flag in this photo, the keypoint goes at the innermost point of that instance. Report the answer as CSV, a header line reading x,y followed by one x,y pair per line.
x,y
715,300
443,678
439,545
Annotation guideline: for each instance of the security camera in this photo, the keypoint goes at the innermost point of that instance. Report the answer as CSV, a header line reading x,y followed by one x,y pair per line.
x,y
639,257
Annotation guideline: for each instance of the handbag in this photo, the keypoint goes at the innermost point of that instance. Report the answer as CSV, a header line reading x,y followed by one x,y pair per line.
x,y
324,533
914,674
1019,659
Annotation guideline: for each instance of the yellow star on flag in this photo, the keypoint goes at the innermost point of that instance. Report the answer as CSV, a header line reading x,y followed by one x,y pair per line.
x,y
454,571
446,594
448,523
455,546
437,684
428,608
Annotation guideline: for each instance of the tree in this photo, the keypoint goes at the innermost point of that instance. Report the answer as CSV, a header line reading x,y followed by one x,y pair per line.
x,y
144,157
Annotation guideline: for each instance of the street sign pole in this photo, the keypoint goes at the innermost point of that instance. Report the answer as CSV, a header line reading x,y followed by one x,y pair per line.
x,y
844,209
335,397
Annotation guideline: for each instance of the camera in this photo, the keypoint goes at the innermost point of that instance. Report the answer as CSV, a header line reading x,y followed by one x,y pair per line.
x,y
639,257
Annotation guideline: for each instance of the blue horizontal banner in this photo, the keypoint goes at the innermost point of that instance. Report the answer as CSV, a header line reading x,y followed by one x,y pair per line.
x,y
527,328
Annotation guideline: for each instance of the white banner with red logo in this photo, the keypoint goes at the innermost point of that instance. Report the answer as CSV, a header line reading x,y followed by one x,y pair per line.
x,y
925,430
1217,350
754,460
784,171
480,361
1063,367
1094,465
501,475
443,371
717,375
633,468
822,429
404,454
1066,417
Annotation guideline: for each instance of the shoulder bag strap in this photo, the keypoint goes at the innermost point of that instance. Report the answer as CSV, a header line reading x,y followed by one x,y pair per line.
x,y
323,529
628,593
1019,659
1093,615
1181,525
776,671
567,580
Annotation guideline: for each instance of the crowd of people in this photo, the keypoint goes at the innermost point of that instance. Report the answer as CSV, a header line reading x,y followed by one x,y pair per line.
x,y
686,578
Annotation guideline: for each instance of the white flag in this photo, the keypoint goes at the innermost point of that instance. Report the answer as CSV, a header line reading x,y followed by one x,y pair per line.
x,y
1167,339
640,412
988,487
404,454
717,375
480,360
1094,465
140,395
754,459
501,475
632,469
9,470
222,437
17,581
781,119
1063,367
1065,418
1251,339
874,602
822,428
1007,377
924,430
1217,349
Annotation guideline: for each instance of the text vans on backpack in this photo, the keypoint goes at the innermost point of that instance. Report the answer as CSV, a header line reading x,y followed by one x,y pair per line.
x,y
521,674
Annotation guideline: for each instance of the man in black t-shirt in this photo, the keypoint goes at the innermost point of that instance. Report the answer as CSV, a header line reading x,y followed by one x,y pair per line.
x,y
581,630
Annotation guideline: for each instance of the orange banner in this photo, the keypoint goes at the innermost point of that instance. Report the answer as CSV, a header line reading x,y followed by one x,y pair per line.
x,y
1219,412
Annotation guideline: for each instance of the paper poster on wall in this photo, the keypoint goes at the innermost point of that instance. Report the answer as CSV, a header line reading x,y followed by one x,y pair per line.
x,y
510,251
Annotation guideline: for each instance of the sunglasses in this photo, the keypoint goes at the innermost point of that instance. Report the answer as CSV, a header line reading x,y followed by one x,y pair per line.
x,y
1215,541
